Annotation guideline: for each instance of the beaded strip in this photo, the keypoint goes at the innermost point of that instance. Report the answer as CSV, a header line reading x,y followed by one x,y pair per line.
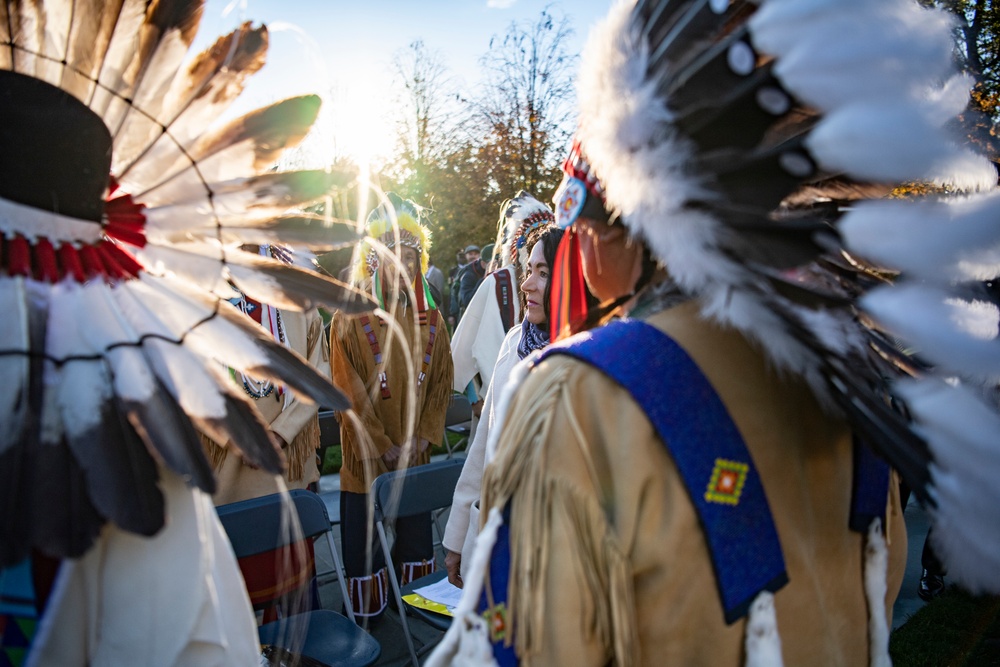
x,y
531,223
430,347
257,389
383,378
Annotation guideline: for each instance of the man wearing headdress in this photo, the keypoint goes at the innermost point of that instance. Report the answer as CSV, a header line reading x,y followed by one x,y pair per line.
x,y
293,424
390,373
600,518
670,488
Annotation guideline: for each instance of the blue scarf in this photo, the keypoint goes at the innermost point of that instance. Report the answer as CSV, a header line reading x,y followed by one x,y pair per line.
x,y
532,338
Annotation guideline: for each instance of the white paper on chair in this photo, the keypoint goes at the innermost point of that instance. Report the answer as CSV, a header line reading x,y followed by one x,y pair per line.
x,y
443,592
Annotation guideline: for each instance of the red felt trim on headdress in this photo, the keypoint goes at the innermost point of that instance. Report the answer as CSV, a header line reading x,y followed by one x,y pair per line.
x,y
124,219
117,263
45,260
92,265
69,261
123,258
18,257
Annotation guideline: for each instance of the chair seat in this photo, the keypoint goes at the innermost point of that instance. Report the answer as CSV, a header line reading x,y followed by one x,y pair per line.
x,y
432,618
329,638
462,429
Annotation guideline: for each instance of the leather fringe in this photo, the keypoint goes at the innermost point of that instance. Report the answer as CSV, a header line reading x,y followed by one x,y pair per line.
x,y
215,452
297,453
608,597
301,448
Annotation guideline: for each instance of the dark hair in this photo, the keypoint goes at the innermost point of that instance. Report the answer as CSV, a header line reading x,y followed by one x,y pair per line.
x,y
549,236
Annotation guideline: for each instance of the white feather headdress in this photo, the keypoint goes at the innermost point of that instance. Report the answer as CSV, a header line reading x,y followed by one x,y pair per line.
x,y
121,234
518,217
732,138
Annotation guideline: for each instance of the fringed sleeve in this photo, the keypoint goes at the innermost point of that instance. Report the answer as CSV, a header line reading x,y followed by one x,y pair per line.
x,y
348,368
439,388
457,531
298,422
571,598
215,452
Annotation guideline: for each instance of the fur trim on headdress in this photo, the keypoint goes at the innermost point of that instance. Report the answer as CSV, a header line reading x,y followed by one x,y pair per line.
x,y
731,143
648,170
383,222
645,169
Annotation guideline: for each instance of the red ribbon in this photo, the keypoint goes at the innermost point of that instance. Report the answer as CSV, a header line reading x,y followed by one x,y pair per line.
x,y
569,289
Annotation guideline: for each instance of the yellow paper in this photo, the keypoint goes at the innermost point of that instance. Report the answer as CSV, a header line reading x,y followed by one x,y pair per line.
x,y
423,603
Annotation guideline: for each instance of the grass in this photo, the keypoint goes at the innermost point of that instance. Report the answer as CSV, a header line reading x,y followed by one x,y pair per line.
x,y
954,630
332,458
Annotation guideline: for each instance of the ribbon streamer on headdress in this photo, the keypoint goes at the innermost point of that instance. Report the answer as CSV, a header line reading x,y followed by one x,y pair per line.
x,y
580,193
569,290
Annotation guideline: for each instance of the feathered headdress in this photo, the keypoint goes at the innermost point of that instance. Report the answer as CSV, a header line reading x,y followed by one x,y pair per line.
x,y
123,205
394,222
518,218
729,138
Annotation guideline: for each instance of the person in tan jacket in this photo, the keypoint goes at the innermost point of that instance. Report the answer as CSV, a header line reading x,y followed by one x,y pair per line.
x,y
293,424
661,494
398,371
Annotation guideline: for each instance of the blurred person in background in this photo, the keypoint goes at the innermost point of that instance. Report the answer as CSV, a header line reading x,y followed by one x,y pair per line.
x,y
384,370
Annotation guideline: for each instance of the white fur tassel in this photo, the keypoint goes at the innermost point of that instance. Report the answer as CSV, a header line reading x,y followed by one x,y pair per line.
x,y
961,430
876,566
467,642
647,178
956,240
872,141
763,643
957,336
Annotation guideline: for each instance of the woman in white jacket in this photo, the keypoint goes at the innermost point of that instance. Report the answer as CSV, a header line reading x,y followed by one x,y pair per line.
x,y
523,339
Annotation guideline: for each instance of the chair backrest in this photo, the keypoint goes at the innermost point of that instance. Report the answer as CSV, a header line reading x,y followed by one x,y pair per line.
x,y
459,410
415,490
254,526
277,562
329,429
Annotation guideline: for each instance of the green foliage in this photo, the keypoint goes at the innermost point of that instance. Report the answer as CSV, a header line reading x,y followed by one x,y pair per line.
x,y
461,154
333,458
956,629
977,41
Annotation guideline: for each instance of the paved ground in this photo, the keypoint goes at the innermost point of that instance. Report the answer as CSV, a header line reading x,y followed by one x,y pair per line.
x,y
389,632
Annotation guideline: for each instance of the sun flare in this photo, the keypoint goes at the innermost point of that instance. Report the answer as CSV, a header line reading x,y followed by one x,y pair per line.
x,y
361,124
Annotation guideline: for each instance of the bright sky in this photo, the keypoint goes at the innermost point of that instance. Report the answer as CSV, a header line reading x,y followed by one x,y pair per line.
x,y
342,49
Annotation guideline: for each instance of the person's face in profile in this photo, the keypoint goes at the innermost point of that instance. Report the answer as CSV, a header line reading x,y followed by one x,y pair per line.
x,y
533,286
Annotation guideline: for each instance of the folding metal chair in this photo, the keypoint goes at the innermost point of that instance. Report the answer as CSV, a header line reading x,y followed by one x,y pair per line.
x,y
458,419
406,493
329,429
263,543
331,499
